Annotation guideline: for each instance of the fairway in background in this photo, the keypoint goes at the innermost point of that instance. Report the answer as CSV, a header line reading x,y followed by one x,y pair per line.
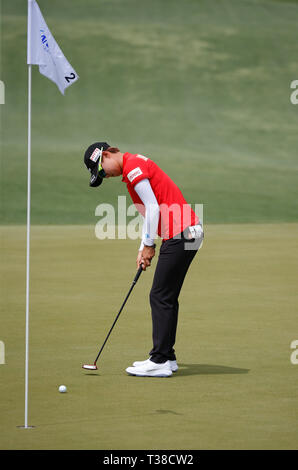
x,y
201,87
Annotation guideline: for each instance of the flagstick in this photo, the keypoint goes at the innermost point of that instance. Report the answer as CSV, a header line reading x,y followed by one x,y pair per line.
x,y
28,251
28,219
28,244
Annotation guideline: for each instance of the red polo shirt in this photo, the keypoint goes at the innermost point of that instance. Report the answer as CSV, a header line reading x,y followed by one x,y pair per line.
x,y
175,213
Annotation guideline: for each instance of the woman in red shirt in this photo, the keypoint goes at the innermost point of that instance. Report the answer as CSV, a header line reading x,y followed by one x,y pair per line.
x,y
167,214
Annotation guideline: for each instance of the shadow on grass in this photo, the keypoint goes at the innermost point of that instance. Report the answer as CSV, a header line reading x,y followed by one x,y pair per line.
x,y
206,369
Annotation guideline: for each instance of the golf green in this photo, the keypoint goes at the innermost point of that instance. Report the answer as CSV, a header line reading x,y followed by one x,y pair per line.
x,y
236,387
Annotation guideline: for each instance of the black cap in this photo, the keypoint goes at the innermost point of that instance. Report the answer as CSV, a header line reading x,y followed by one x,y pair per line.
x,y
91,160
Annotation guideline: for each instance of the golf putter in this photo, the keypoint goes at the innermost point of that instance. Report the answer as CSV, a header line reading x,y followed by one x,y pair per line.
x,y
94,366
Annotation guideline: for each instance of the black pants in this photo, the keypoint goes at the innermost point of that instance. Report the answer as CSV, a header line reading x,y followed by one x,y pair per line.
x,y
173,263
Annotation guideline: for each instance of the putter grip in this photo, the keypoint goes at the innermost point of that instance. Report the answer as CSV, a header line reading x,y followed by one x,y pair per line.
x,y
139,272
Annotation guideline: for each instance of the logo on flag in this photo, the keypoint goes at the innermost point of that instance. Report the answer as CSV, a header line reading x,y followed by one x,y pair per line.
x,y
44,40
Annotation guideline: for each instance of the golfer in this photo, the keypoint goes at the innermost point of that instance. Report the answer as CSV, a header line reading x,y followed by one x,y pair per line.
x,y
167,214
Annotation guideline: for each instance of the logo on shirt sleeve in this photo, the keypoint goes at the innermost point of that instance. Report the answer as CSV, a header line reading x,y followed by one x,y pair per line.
x,y
134,173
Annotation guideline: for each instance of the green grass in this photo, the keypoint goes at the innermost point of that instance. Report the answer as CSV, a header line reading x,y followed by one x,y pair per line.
x,y
236,387
201,87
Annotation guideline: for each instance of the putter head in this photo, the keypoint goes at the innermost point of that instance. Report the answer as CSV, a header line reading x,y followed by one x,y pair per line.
x,y
89,366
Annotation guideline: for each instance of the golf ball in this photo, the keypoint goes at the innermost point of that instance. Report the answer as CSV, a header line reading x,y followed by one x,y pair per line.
x,y
62,389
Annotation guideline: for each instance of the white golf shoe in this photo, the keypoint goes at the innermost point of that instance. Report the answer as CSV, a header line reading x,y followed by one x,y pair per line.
x,y
173,364
151,369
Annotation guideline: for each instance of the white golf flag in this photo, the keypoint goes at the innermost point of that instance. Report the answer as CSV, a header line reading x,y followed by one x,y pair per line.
x,y
43,50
